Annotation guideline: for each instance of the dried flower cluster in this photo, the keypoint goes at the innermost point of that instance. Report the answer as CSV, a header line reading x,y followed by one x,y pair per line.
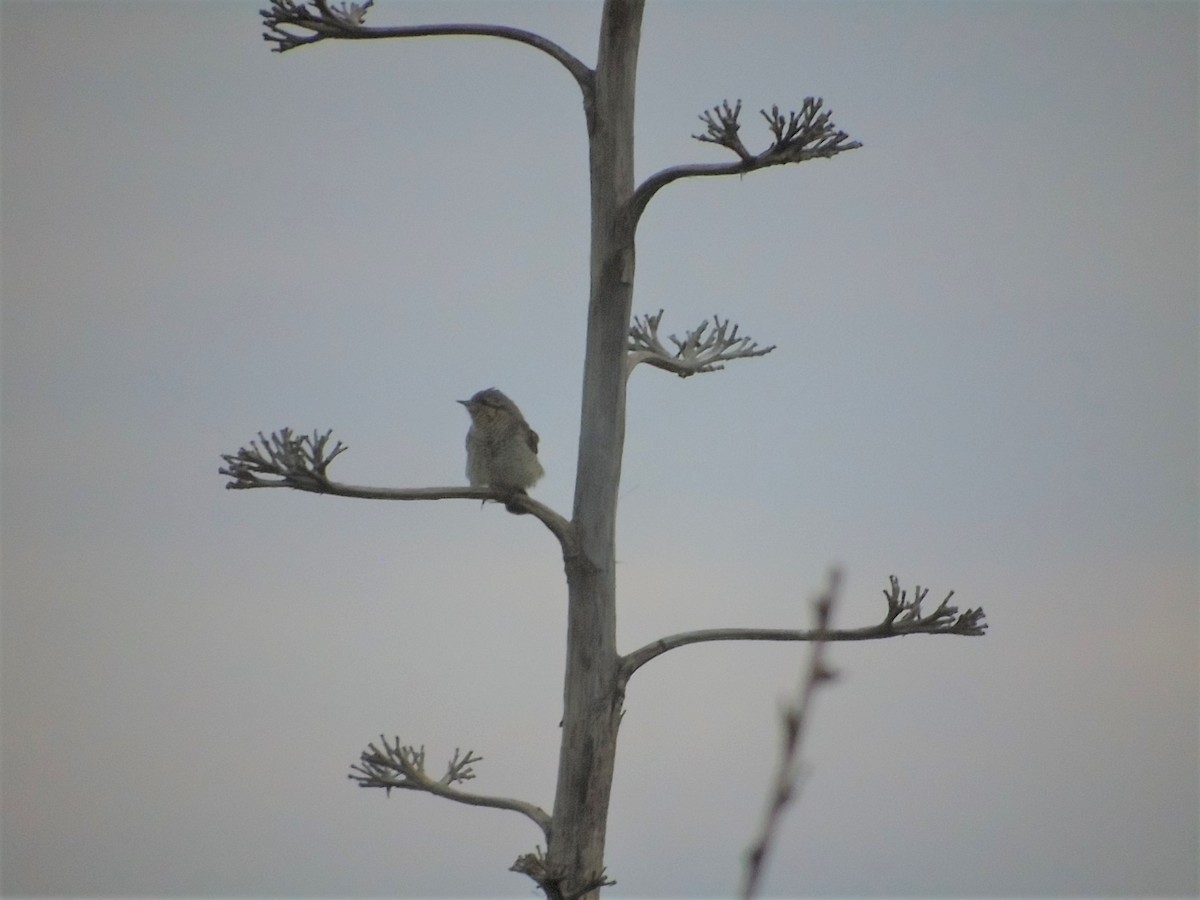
x,y
807,134
320,19
298,462
700,350
904,616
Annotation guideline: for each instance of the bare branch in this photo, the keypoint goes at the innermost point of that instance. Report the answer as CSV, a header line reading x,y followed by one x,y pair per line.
x,y
903,617
798,136
699,351
284,460
794,716
552,880
291,24
403,767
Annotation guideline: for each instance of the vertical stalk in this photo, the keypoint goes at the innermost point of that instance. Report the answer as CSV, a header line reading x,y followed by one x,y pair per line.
x,y
592,696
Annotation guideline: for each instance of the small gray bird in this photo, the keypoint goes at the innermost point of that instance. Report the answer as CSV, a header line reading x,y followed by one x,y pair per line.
x,y
501,447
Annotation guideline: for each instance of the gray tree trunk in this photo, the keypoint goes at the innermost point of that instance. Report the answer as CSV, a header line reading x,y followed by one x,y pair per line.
x,y
592,695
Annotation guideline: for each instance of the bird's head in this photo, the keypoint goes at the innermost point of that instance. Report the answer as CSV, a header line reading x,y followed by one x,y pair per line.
x,y
489,401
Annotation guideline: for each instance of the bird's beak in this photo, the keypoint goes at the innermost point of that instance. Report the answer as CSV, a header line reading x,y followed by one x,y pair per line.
x,y
463,402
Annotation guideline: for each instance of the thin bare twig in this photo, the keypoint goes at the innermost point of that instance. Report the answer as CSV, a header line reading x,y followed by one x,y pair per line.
x,y
794,716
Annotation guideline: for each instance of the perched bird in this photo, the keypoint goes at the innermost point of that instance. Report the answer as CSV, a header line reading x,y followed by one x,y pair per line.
x,y
501,447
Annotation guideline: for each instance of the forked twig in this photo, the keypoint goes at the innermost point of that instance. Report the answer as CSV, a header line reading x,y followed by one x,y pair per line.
x,y
794,716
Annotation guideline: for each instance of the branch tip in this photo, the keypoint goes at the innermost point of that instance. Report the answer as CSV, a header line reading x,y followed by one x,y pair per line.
x,y
722,128
703,349
298,462
321,19
806,134
904,616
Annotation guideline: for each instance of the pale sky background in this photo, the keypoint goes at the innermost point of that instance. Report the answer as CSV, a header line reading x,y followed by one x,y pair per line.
x,y
986,380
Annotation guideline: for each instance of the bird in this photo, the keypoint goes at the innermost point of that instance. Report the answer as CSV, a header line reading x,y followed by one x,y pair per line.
x,y
501,447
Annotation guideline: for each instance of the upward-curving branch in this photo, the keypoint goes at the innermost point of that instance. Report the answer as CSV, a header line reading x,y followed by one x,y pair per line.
x,y
403,767
798,136
290,24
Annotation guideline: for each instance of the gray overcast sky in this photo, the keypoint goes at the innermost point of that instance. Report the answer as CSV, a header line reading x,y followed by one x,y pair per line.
x,y
986,380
